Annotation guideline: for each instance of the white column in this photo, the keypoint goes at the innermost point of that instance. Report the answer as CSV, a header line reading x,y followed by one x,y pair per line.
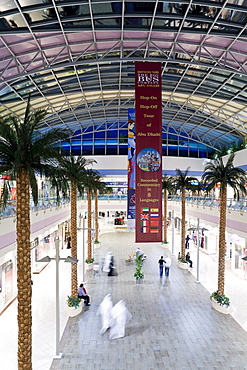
x,y
83,249
198,251
173,232
57,258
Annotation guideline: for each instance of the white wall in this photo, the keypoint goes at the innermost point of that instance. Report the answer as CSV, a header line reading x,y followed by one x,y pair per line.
x,y
240,158
117,165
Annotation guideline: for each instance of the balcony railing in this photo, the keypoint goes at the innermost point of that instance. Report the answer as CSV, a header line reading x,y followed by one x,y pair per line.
x,y
45,203
232,204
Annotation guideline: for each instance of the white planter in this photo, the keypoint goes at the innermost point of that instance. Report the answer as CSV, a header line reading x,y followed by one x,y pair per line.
x,y
72,311
222,309
183,265
89,266
96,245
139,281
165,245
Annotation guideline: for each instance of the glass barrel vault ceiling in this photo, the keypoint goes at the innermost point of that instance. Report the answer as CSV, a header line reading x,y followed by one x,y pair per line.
x,y
76,58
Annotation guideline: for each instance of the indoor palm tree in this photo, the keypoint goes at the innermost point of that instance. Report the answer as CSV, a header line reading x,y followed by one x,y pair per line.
x,y
183,182
199,188
167,187
24,152
73,171
216,172
90,180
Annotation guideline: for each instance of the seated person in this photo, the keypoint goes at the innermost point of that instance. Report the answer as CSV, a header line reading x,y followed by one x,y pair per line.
x,y
140,253
187,257
82,294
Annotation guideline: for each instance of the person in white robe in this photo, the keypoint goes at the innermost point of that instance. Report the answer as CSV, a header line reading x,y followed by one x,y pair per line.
x,y
108,258
105,311
120,317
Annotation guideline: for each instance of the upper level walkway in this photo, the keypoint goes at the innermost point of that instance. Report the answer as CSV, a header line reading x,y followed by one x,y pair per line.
x,y
232,204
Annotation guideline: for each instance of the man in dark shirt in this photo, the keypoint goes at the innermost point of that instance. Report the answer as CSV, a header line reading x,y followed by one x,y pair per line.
x,y
161,263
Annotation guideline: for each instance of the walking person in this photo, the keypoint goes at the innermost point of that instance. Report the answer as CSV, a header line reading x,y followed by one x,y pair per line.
x,y
168,263
112,269
187,242
107,261
105,311
96,269
161,262
120,317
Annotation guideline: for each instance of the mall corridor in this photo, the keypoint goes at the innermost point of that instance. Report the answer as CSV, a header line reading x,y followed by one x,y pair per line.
x,y
173,325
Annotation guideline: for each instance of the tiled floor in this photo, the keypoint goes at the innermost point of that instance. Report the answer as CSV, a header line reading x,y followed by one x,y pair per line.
x,y
173,325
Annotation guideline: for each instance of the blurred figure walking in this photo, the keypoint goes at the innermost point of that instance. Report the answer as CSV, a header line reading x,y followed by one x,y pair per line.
x,y
120,317
105,311
106,267
168,263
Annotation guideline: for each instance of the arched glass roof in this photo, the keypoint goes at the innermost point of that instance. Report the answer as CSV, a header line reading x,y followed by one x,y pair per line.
x,y
76,58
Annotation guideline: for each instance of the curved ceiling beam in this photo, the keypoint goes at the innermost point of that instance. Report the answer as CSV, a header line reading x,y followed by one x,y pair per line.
x,y
86,74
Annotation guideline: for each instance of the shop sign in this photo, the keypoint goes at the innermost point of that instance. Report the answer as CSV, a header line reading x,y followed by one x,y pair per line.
x,y
34,243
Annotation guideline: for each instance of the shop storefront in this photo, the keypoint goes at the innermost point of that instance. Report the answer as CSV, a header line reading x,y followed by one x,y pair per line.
x,y
7,279
44,246
39,249
235,251
208,236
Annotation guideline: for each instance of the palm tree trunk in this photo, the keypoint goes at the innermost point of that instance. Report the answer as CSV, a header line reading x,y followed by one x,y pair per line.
x,y
89,233
96,216
73,230
183,224
165,215
222,243
24,285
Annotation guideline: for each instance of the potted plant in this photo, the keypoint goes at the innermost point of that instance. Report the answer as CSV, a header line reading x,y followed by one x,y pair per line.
x,y
182,263
97,243
139,275
165,242
74,306
220,303
89,262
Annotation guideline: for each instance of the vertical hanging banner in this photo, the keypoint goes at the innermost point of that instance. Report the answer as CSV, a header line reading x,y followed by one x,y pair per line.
x,y
148,104
131,204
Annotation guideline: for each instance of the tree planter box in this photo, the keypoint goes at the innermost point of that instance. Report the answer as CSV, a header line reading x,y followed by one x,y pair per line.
x,y
139,281
96,245
222,309
165,245
72,311
183,265
89,266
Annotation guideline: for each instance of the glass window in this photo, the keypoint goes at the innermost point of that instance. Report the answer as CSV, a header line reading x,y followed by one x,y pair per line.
x,y
87,150
172,151
183,151
99,150
123,149
111,150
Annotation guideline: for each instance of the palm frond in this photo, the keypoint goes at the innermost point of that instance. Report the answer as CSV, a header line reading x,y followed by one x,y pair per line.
x,y
216,172
23,147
